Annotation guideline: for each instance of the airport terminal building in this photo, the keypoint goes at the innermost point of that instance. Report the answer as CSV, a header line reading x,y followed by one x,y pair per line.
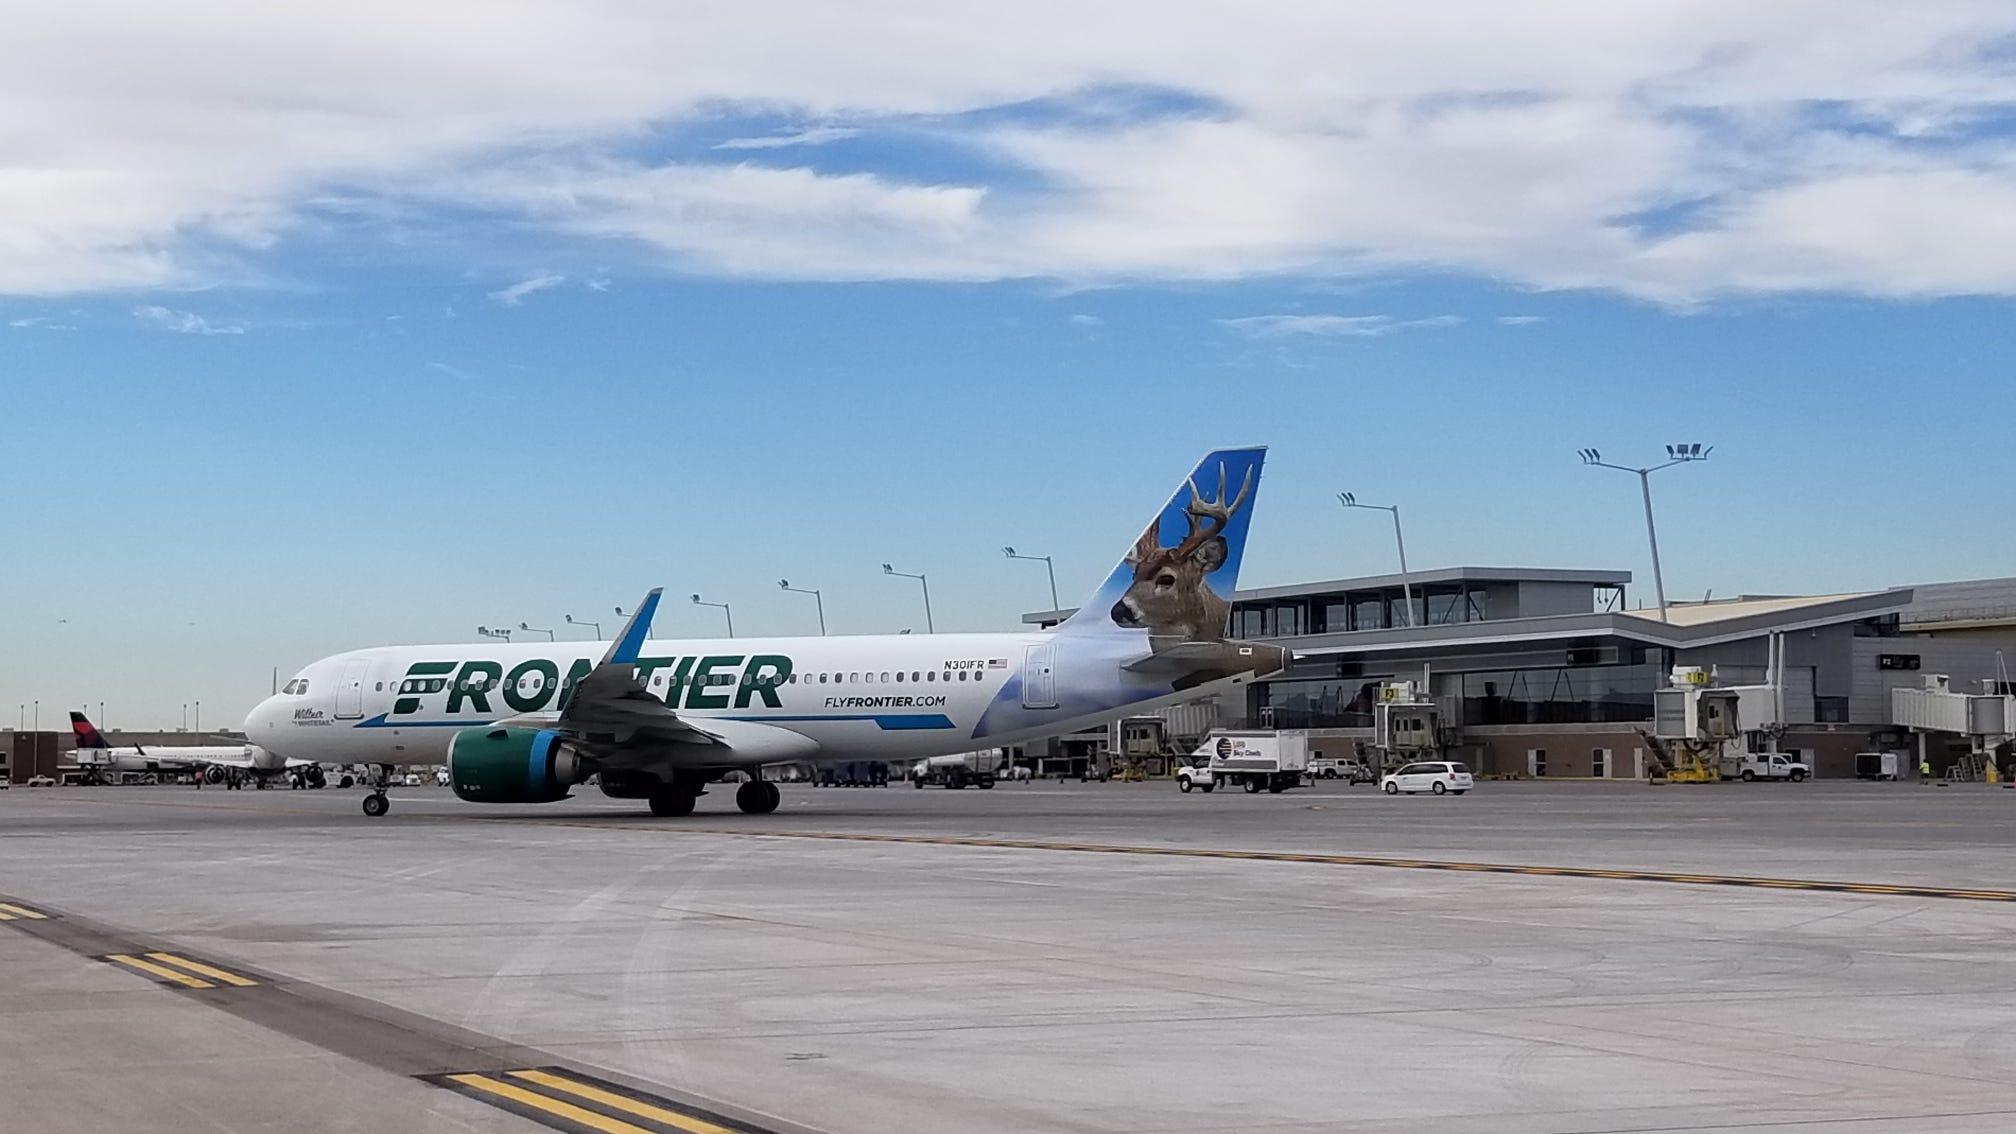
x,y
1550,673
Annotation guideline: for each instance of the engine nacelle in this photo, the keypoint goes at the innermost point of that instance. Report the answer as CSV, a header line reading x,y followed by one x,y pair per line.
x,y
513,765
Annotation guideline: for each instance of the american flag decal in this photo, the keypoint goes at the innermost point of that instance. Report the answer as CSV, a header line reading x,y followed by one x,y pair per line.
x,y
997,663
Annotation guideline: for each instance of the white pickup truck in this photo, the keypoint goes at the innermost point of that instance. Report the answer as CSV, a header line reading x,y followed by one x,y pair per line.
x,y
1765,766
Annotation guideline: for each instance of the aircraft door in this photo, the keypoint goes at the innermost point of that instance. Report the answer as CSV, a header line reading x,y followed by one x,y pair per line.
x,y
350,689
1039,679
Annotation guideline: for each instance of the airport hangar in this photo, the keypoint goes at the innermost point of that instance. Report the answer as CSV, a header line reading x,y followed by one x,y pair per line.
x,y
1549,673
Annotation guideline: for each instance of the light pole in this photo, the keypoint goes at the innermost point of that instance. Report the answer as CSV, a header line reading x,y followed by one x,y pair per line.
x,y
536,630
698,601
929,628
1406,581
38,716
573,621
101,716
485,631
1675,455
816,597
1049,566
199,718
185,716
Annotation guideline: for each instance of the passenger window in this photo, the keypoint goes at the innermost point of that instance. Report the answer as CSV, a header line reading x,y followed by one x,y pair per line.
x,y
915,676
931,676
380,688
885,677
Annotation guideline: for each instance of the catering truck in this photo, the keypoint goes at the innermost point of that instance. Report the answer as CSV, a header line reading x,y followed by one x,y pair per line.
x,y
1275,761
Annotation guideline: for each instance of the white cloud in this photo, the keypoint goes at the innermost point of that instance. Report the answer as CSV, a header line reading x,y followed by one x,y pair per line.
x,y
39,323
183,322
1088,320
1331,326
1676,150
812,136
1520,320
515,294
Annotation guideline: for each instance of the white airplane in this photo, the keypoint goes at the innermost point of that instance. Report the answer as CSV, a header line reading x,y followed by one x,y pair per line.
x,y
658,721
213,761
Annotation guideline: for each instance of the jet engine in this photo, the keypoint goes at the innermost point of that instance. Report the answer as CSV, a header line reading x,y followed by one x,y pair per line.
x,y
513,765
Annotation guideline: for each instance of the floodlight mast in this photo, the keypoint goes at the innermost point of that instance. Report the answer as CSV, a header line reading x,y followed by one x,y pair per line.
x,y
1680,454
1350,500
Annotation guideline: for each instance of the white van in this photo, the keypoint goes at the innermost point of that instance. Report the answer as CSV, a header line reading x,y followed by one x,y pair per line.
x,y
1437,776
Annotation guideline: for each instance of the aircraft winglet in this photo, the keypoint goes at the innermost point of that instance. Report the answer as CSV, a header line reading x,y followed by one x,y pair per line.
x,y
629,643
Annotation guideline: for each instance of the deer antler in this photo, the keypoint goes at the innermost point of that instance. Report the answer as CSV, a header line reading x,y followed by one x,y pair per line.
x,y
1201,510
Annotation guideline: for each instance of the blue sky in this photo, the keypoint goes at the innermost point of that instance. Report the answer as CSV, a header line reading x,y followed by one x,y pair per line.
x,y
402,376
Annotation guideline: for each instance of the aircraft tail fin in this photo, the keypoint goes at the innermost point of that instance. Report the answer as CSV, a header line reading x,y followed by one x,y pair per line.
x,y
87,733
1176,581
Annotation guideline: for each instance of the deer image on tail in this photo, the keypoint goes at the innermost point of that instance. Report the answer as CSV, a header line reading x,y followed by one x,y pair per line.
x,y
1169,596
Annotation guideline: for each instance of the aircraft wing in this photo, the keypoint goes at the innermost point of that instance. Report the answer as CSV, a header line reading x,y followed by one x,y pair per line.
x,y
616,721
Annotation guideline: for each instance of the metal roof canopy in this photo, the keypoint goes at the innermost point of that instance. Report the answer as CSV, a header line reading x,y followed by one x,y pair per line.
x,y
1697,625
1435,576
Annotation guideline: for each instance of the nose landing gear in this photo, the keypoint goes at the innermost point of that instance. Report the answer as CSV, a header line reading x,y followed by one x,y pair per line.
x,y
376,804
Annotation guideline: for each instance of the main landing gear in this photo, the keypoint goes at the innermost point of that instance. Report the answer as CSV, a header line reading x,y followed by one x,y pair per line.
x,y
758,797
375,804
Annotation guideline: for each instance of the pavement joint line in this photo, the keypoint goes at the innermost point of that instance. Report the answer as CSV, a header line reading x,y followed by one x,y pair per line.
x,y
1884,889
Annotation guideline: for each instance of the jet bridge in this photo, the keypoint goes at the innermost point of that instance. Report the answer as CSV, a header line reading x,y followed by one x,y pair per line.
x,y
1987,720
1698,726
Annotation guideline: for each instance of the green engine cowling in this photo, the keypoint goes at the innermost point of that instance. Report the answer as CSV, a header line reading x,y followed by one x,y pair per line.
x,y
513,765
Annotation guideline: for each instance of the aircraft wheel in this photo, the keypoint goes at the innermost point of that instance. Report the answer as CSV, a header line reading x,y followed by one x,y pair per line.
x,y
758,797
376,804
672,804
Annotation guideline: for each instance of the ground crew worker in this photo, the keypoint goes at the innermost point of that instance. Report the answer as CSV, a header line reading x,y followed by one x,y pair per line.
x,y
1925,770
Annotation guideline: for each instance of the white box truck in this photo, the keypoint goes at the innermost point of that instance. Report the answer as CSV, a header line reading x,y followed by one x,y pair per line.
x,y
1275,761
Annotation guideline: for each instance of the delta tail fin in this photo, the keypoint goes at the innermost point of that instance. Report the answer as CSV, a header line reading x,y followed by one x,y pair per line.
x,y
1176,581
87,733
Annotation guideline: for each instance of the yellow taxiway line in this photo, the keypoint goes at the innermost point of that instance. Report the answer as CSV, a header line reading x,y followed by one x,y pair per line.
x,y
159,971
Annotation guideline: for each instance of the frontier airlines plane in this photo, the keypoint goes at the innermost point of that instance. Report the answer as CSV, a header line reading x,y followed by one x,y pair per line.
x,y
659,720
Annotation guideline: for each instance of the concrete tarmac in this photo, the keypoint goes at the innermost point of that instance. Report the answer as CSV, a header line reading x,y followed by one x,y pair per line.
x,y
854,984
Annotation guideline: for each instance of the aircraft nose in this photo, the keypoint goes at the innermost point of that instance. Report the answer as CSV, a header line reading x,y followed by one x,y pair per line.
x,y
262,718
